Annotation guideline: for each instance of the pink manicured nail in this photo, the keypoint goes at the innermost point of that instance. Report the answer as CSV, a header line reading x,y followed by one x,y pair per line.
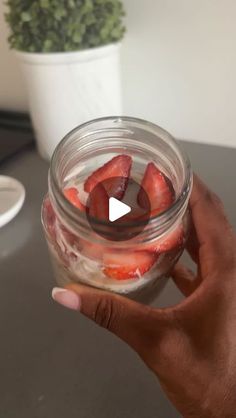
x,y
66,298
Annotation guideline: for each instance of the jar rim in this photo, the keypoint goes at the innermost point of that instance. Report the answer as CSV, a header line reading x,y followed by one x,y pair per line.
x,y
162,218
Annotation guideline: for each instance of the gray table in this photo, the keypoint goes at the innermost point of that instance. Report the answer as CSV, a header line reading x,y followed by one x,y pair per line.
x,y
55,363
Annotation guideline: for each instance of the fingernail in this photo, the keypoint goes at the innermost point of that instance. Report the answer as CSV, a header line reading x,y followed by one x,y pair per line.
x,y
66,298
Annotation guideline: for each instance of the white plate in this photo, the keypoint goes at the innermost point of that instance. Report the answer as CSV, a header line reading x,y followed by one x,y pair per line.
x,y
12,196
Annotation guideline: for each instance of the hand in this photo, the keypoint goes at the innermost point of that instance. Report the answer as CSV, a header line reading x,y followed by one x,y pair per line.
x,y
190,347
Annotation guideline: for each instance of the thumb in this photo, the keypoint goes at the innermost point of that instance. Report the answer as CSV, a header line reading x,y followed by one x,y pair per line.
x,y
134,323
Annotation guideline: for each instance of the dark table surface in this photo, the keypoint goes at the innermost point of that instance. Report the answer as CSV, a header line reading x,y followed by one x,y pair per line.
x,y
55,363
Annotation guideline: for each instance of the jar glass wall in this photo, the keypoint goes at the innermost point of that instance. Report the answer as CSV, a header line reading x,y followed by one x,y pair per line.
x,y
133,266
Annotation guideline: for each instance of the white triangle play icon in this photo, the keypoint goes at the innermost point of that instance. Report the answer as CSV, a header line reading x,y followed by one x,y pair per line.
x,y
117,209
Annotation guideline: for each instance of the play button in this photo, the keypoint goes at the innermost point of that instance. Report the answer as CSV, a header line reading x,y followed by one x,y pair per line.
x,y
117,209
113,211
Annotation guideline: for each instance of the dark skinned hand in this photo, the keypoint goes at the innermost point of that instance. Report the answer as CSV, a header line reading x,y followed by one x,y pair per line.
x,y
190,347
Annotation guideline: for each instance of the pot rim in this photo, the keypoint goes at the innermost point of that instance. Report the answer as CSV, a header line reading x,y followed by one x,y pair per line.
x,y
90,54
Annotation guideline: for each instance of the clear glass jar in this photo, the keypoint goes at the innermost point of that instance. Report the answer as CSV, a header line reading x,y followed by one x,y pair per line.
x,y
78,254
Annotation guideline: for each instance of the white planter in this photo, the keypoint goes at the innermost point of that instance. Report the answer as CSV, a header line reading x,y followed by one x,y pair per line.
x,y
69,88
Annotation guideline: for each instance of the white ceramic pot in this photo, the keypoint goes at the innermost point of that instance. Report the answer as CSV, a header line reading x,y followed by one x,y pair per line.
x,y
69,88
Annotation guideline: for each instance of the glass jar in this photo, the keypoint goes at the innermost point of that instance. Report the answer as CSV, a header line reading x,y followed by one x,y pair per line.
x,y
80,255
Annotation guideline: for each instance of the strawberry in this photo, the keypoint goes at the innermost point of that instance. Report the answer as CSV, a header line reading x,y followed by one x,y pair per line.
x,y
128,265
99,203
158,189
72,195
134,216
172,240
92,250
118,170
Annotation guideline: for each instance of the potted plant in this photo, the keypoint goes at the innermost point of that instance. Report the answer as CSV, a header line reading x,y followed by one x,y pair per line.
x,y
69,52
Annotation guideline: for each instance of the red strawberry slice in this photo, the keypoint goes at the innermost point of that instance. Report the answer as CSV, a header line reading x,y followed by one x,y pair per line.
x,y
92,250
174,239
99,203
72,195
128,265
118,170
133,217
158,189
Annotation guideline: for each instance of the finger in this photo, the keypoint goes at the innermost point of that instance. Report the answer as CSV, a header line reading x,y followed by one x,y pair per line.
x,y
207,212
192,244
212,228
185,279
134,323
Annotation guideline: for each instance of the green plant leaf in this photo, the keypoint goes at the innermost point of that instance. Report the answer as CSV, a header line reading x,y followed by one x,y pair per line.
x,y
63,25
45,4
25,16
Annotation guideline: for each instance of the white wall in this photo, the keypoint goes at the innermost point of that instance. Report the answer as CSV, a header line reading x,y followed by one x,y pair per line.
x,y
179,67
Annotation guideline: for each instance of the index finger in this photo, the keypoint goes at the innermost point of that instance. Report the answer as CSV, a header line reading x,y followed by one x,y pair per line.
x,y
212,228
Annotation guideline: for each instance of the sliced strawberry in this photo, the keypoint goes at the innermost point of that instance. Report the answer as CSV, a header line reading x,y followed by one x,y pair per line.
x,y
128,265
72,195
135,215
92,250
99,203
158,189
172,240
119,167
